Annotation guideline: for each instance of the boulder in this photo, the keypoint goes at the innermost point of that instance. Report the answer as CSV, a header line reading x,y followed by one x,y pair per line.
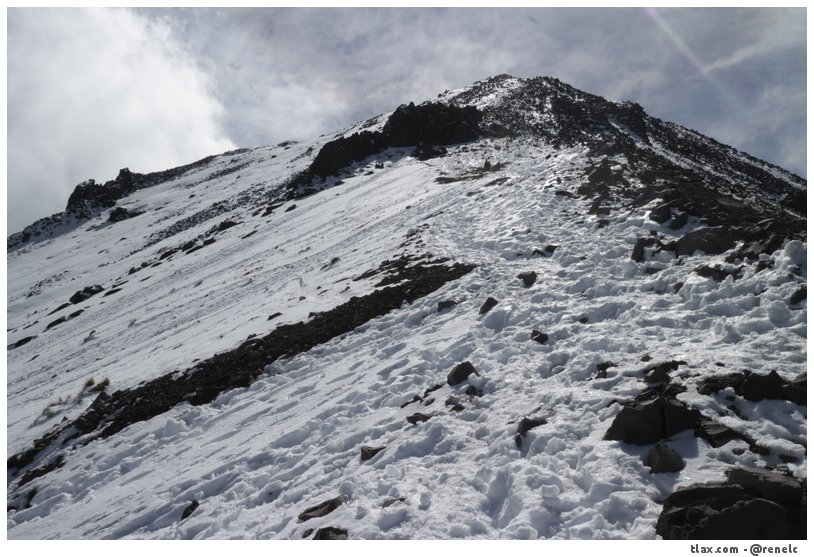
x,y
189,509
638,250
418,418
525,425
643,423
760,387
784,490
460,373
661,458
369,452
488,305
712,241
528,278
331,533
446,304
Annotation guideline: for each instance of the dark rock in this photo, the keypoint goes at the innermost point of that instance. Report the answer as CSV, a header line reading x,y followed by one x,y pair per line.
x,y
226,225
638,249
446,304
339,153
460,373
646,358
661,458
525,425
550,249
472,391
711,241
657,375
85,293
783,490
722,512
796,390
432,389
643,423
454,403
488,305
274,315
680,220
56,322
189,509
392,501
20,342
322,509
717,273
415,398
583,320
528,278
563,193
331,533
759,387
425,151
717,383
290,208
418,418
369,452
119,214
432,123
63,306
716,434
111,292
798,296
537,336
661,214
602,369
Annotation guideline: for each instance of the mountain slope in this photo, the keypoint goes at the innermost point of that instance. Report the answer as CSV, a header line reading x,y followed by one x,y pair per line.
x,y
661,260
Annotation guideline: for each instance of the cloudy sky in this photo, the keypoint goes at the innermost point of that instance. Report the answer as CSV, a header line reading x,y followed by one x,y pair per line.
x,y
92,91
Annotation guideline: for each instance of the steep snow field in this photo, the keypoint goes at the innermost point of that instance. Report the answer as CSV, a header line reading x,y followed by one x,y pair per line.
x,y
258,457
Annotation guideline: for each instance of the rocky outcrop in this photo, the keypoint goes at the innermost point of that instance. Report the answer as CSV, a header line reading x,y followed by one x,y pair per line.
x,y
751,504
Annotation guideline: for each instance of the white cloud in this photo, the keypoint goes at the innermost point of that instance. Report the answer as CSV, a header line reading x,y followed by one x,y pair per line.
x,y
92,91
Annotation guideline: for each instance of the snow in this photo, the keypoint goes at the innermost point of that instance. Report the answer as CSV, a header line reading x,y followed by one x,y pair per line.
x,y
257,457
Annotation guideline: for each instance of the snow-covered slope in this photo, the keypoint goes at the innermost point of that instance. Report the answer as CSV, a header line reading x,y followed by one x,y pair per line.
x,y
248,245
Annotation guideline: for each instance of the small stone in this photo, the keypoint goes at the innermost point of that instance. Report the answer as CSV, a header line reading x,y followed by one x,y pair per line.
x,y
537,336
322,509
368,452
418,418
189,509
488,305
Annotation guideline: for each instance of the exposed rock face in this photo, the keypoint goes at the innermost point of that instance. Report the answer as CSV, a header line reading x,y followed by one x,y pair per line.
x,y
432,123
711,241
341,152
85,293
751,504
642,423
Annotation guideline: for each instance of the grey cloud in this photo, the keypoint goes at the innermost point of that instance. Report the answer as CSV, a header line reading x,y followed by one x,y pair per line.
x,y
92,91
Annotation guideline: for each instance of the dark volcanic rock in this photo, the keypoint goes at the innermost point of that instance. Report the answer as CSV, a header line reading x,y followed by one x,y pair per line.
x,y
190,509
118,214
425,151
369,452
528,278
446,304
798,296
759,387
661,458
417,418
717,434
525,425
432,123
752,504
643,423
638,249
658,373
537,336
85,293
487,305
331,533
711,241
460,373
21,342
322,509
341,152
